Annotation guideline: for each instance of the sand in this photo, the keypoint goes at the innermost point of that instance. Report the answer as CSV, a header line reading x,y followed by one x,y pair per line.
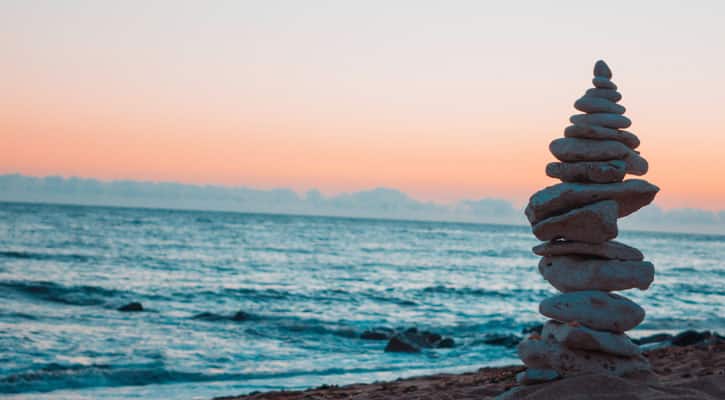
x,y
693,372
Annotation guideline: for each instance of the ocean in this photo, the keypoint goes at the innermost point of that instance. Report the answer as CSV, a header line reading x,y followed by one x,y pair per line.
x,y
240,302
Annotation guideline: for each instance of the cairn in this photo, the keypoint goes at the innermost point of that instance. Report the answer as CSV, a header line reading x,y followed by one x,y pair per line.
x,y
577,219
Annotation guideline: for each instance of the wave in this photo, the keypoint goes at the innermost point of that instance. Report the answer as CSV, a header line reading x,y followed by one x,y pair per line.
x,y
494,253
55,376
62,257
519,294
72,295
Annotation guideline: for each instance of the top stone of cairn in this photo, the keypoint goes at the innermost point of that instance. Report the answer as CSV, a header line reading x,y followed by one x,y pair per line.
x,y
601,69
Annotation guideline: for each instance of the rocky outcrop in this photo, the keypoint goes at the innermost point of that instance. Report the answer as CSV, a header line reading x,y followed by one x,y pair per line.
x,y
578,220
134,306
413,341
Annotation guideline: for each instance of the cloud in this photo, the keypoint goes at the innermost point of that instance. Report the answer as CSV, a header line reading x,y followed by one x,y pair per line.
x,y
374,203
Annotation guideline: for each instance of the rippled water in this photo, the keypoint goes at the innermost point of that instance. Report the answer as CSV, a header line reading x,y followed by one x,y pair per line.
x,y
307,287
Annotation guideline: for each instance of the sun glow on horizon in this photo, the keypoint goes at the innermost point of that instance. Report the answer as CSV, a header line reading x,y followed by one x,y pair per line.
x,y
442,103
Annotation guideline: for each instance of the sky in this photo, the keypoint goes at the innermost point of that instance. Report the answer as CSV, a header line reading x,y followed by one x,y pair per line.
x,y
442,100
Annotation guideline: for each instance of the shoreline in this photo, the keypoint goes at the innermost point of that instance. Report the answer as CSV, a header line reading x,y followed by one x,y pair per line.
x,y
696,371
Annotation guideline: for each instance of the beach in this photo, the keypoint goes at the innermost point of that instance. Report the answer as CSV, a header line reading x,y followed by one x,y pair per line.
x,y
690,372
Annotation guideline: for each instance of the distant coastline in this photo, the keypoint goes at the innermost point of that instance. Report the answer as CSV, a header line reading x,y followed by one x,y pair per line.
x,y
378,203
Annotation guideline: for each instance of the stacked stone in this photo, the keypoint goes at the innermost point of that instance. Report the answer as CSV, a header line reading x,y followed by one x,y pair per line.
x,y
578,220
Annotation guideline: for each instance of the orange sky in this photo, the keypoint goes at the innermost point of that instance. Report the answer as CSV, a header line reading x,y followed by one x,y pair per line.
x,y
443,104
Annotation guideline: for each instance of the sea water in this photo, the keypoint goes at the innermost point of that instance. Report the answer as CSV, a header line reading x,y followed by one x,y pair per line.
x,y
303,289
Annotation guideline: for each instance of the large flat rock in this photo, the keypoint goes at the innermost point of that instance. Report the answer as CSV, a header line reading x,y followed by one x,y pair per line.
x,y
609,94
576,336
602,133
576,273
593,223
593,104
588,171
569,149
549,354
630,195
608,120
611,250
594,309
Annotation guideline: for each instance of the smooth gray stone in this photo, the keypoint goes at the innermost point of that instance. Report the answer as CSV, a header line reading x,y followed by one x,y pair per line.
x,y
593,223
550,354
603,83
591,104
588,171
576,336
630,195
611,250
602,133
532,376
602,311
608,120
636,164
602,69
575,149
609,94
573,273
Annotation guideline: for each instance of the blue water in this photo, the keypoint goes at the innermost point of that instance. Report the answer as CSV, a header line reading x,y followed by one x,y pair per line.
x,y
308,287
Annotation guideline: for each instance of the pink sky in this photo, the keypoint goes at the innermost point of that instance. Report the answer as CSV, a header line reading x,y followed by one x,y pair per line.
x,y
442,103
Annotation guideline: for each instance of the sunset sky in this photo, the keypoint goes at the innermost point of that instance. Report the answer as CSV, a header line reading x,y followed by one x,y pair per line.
x,y
441,99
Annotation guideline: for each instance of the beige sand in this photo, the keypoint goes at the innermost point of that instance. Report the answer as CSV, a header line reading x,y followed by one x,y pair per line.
x,y
694,372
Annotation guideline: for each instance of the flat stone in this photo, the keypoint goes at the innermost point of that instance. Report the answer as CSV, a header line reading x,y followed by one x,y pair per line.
x,y
608,120
549,354
588,171
593,223
611,250
609,94
636,164
630,195
602,133
603,83
602,69
575,336
575,273
591,104
533,376
602,311
574,149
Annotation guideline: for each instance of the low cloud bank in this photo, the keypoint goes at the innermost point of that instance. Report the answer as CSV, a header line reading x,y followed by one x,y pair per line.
x,y
375,203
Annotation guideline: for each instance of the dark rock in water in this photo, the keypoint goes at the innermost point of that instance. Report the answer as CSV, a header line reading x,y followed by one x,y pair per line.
x,y
506,340
377,334
241,316
412,341
433,338
690,337
401,344
660,337
535,328
131,307
207,316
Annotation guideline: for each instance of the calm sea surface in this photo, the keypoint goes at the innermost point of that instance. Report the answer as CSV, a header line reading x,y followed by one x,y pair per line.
x,y
308,286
